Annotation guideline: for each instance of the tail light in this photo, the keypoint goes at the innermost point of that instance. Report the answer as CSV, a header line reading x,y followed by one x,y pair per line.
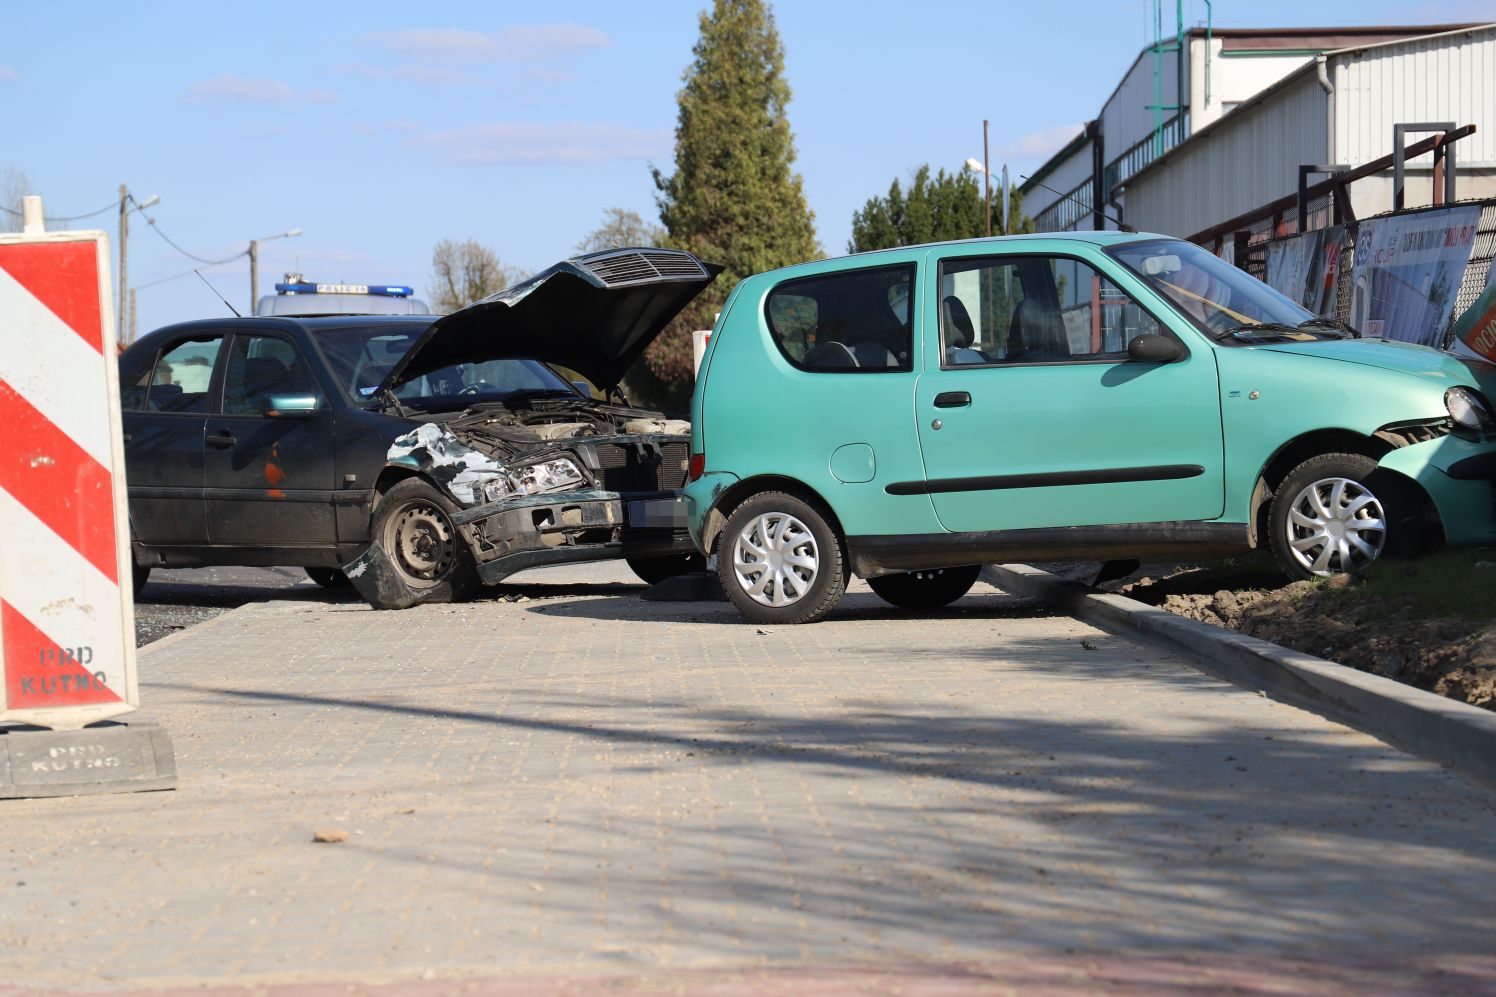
x,y
696,467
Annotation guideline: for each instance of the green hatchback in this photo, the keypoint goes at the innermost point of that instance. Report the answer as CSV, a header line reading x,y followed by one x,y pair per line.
x,y
911,414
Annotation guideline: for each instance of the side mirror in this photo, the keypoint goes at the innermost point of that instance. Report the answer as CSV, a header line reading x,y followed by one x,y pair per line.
x,y
291,406
1151,348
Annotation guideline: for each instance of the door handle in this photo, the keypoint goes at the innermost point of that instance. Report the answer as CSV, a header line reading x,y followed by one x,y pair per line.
x,y
224,439
953,399
129,437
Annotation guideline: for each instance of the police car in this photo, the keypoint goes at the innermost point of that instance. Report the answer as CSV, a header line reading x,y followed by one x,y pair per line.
x,y
298,296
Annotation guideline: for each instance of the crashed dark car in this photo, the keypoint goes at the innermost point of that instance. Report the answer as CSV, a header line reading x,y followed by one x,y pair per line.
x,y
416,459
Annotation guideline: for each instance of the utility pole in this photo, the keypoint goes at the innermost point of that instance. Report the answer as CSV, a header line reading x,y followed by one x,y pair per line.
x,y
132,316
124,258
986,179
254,274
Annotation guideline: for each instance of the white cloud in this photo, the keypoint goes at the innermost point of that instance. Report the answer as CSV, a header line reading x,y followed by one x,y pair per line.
x,y
7,74
512,44
536,144
229,87
1037,145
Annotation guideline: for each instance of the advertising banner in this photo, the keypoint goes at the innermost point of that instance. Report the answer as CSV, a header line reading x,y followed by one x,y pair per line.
x,y
1408,271
1305,267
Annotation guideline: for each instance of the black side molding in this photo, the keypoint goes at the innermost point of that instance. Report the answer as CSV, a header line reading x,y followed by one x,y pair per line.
x,y
997,482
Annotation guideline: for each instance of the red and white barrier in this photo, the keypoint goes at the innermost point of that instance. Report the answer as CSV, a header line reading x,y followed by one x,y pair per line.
x,y
67,647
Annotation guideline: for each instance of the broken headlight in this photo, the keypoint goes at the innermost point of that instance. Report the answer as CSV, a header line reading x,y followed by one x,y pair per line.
x,y
496,488
547,476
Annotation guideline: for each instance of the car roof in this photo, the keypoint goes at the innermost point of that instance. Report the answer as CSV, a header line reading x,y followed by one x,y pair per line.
x,y
311,324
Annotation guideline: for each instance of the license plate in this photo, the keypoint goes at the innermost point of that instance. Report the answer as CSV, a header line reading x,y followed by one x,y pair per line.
x,y
658,513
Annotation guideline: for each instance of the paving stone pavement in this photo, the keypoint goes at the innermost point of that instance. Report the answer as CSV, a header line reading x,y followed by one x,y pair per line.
x,y
582,785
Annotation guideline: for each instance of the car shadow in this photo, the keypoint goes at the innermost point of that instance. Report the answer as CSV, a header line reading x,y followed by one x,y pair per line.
x,y
854,607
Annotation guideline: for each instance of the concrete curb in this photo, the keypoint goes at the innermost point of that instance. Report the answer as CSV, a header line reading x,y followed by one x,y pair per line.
x,y
1452,733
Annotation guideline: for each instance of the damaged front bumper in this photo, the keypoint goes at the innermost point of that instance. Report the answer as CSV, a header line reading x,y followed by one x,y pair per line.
x,y
589,525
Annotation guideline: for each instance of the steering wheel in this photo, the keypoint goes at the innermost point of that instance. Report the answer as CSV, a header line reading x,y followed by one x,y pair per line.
x,y
474,388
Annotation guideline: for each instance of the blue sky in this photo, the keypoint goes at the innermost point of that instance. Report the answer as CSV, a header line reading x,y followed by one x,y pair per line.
x,y
380,128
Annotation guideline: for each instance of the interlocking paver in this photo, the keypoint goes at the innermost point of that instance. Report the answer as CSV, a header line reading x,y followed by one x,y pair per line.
x,y
587,784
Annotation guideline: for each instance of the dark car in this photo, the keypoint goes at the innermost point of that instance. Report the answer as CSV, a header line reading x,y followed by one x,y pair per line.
x,y
416,457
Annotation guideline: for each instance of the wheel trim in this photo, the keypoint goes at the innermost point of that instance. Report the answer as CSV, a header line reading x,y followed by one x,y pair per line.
x,y
1335,524
775,559
420,538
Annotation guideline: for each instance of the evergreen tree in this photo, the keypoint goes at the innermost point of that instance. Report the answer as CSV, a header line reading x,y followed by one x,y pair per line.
x,y
949,206
734,198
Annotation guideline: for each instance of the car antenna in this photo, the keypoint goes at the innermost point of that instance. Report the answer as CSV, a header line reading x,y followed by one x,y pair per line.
x,y
1121,225
220,297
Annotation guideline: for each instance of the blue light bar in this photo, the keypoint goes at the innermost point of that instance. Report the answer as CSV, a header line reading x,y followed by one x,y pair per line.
x,y
385,290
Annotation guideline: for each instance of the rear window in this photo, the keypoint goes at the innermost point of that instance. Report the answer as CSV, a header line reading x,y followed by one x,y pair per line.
x,y
856,321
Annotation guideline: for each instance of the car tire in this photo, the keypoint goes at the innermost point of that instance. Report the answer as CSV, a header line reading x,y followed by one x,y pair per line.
x,y
1338,512
805,565
413,526
329,578
925,590
656,569
139,575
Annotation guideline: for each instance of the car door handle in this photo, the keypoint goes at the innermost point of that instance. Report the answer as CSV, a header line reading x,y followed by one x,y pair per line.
x,y
952,399
224,439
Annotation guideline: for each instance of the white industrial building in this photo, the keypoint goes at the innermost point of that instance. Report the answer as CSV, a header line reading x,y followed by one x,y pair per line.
x,y
1259,104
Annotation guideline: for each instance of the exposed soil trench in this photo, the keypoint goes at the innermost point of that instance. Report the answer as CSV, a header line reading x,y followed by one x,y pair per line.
x,y
1340,618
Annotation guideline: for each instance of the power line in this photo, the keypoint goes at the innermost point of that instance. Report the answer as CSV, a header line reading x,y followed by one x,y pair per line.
x,y
68,218
184,273
191,256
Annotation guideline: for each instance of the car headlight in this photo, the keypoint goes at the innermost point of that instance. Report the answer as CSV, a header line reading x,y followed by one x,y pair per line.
x,y
496,488
547,476
1469,409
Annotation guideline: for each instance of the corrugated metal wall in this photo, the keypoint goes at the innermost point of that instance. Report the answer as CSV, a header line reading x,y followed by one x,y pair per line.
x,y
1251,157
1444,78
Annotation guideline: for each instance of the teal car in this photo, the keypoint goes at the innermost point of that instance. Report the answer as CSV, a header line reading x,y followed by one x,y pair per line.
x,y
911,414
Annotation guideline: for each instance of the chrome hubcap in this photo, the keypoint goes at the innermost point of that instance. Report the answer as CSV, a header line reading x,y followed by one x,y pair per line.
x,y
775,560
1336,524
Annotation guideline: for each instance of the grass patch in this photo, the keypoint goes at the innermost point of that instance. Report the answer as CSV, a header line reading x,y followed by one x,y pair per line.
x,y
1443,585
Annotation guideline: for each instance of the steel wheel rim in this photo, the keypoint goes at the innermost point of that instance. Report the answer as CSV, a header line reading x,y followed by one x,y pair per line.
x,y
420,538
775,559
1335,525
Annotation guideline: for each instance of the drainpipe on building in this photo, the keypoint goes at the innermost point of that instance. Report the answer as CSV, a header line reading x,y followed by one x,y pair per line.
x,y
1329,89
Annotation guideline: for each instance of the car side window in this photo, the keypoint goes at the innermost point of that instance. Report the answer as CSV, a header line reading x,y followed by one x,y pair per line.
x,y
134,382
180,379
261,366
855,321
1034,309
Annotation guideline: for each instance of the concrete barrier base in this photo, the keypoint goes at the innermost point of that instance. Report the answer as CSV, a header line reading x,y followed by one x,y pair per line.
x,y
114,757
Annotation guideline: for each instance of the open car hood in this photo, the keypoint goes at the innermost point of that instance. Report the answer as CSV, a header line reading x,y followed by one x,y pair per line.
x,y
594,314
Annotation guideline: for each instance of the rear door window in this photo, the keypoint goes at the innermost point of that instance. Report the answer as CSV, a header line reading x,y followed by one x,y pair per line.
x,y
182,376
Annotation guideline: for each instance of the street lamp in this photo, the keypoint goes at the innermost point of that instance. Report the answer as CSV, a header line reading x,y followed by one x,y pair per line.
x,y
254,264
977,166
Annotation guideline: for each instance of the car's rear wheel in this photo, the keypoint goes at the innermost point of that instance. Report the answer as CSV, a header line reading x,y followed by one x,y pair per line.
x,y
781,561
1335,513
659,568
413,525
139,575
329,578
925,589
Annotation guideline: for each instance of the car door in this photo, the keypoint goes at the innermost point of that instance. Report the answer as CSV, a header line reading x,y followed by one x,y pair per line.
x,y
165,402
268,474
1032,415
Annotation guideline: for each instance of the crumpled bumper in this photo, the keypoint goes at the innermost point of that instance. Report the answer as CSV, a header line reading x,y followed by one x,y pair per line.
x,y
1459,475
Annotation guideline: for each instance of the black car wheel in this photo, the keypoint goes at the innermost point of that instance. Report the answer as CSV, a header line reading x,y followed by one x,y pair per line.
x,y
329,578
139,574
781,561
925,589
657,569
414,527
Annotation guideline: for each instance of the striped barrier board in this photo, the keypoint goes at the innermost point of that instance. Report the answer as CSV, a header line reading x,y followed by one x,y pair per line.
x,y
67,647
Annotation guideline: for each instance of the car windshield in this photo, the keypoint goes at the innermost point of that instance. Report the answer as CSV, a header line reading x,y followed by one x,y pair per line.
x,y
1226,303
360,357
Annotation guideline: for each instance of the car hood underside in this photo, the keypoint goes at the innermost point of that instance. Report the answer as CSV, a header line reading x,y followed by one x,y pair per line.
x,y
594,314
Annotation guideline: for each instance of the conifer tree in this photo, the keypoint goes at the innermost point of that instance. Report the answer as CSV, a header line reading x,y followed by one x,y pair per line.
x,y
734,198
938,209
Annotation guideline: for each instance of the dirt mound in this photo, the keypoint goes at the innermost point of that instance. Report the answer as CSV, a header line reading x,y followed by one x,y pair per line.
x,y
1336,619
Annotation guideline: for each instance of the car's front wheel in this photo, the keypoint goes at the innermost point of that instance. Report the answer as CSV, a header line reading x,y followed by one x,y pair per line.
x,y
780,560
413,525
658,568
1335,513
925,589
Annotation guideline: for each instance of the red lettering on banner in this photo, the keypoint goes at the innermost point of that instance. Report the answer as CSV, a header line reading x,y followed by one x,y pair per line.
x,y
39,673
57,481
64,276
